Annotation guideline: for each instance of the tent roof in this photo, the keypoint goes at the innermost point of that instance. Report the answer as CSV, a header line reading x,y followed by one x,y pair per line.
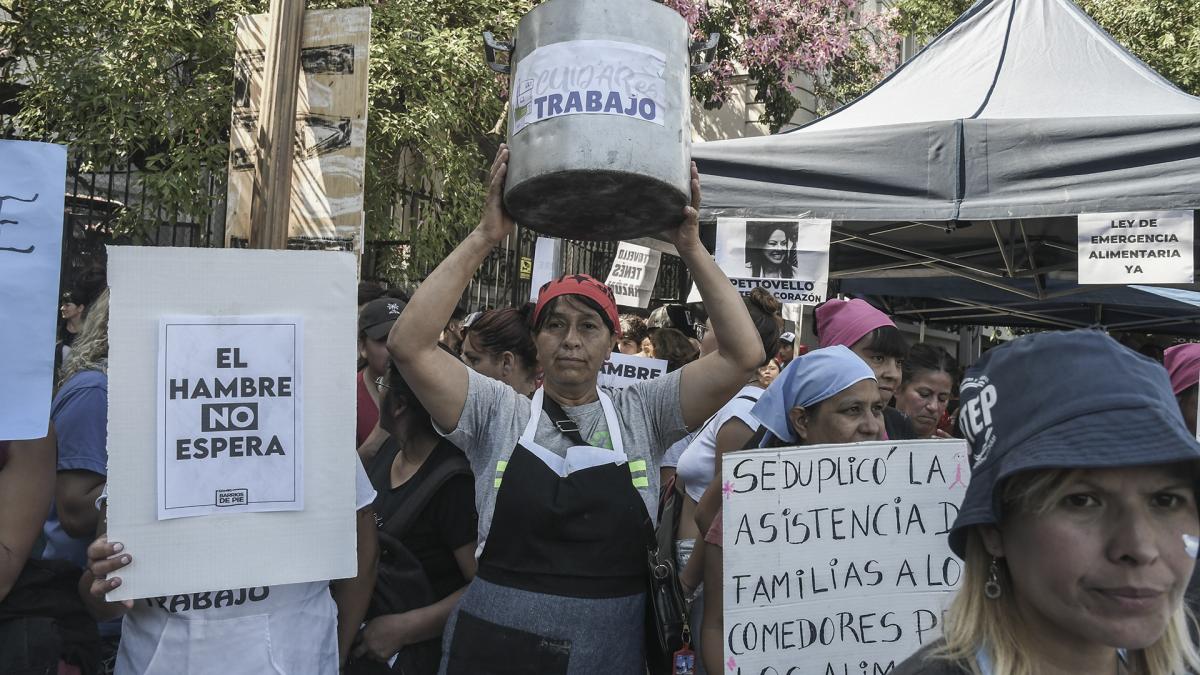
x,y
1016,59
1021,109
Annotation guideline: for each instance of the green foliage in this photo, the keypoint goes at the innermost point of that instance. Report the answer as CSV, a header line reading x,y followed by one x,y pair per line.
x,y
151,81
1163,33
146,82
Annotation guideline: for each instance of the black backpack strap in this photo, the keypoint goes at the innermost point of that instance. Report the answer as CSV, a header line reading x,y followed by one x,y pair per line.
x,y
398,523
565,424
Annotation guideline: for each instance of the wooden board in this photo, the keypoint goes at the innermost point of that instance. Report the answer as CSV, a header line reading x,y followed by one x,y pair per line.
x,y
331,126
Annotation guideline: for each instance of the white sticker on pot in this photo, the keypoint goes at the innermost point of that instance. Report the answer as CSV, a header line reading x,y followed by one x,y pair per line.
x,y
589,77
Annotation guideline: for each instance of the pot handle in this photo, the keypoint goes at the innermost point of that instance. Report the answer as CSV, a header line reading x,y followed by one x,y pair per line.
x,y
490,47
708,49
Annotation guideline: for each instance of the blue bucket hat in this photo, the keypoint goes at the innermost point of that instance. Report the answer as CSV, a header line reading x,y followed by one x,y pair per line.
x,y
1062,400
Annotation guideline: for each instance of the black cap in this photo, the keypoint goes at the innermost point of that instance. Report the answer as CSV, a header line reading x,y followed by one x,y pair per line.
x,y
376,317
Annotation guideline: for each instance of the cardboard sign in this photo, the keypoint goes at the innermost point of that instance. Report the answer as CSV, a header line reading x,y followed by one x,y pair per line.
x,y
316,291
622,370
788,257
633,273
230,414
589,77
836,557
1148,247
331,124
32,176
546,255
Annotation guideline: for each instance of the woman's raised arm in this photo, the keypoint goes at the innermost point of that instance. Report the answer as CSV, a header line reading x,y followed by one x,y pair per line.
x,y
438,379
707,384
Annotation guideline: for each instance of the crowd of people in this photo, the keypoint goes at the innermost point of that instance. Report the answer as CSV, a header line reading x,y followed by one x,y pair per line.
x,y
505,500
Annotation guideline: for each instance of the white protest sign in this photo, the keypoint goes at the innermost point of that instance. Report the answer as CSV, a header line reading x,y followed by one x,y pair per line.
x,y
622,370
633,273
316,291
32,180
1147,247
546,254
836,558
597,77
788,257
230,415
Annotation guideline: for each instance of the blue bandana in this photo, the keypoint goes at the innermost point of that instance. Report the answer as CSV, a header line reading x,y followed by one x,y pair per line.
x,y
806,381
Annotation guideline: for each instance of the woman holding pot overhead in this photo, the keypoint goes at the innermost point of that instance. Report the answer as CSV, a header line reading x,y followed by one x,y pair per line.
x,y
563,482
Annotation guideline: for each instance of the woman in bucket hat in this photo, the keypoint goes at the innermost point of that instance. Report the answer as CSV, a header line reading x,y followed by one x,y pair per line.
x,y
565,482
1079,527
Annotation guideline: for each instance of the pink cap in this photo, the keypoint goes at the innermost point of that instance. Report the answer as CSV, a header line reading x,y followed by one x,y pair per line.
x,y
844,322
1183,365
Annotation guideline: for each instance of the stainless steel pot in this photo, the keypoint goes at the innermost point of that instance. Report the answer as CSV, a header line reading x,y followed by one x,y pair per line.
x,y
599,117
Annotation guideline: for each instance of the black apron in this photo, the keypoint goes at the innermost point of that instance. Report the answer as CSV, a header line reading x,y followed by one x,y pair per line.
x,y
567,526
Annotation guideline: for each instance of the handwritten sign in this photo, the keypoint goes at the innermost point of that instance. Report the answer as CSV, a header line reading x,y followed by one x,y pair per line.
x,y
787,257
1148,247
230,415
596,77
32,180
633,273
836,557
622,370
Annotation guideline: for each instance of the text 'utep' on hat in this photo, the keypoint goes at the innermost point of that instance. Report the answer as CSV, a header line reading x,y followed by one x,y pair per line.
x,y
583,285
1183,366
376,317
844,322
1062,400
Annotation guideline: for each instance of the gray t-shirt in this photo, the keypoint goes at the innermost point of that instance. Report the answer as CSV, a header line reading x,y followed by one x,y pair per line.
x,y
495,416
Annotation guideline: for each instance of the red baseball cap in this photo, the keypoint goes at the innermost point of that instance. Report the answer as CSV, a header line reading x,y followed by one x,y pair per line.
x,y
586,286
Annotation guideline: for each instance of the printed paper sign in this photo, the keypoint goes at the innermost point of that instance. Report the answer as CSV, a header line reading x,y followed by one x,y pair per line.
x,y
232,548
788,257
230,415
589,77
546,254
1147,247
836,557
633,273
32,180
622,370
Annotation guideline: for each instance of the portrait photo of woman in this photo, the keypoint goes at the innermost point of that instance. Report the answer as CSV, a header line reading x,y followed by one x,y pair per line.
x,y
771,248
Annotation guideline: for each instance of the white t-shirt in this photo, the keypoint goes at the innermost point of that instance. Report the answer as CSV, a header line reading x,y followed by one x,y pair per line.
x,y
699,460
289,629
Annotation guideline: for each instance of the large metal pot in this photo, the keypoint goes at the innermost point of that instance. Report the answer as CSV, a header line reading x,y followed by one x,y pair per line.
x,y
599,118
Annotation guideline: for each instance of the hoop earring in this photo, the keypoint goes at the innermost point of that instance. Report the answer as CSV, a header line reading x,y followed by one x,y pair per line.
x,y
992,589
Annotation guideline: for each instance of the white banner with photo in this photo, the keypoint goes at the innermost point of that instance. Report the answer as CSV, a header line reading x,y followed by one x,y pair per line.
x,y
787,257
633,273
1147,247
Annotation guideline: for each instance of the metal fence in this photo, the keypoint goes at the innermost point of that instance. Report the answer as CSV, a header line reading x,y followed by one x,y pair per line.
x,y
97,196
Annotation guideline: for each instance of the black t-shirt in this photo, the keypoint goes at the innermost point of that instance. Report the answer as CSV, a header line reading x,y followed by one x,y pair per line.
x,y
447,522
898,425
